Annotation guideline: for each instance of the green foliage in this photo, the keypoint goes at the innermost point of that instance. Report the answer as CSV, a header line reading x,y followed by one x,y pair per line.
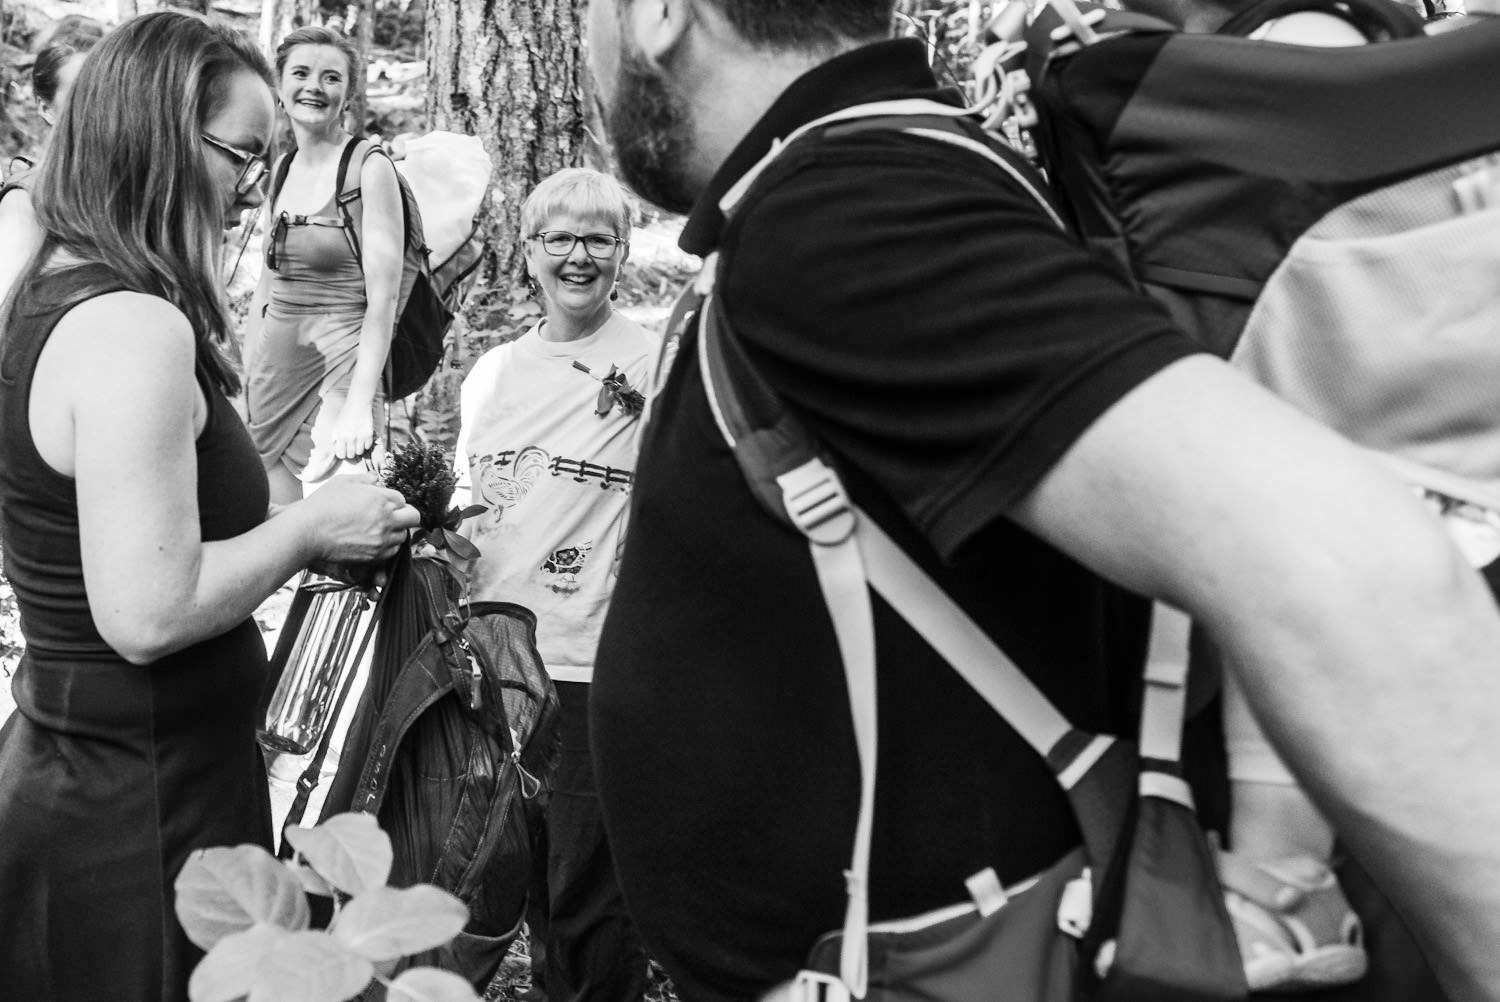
x,y
953,32
249,911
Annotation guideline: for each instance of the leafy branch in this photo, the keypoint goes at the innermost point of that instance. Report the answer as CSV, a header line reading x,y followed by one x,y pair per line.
x,y
249,911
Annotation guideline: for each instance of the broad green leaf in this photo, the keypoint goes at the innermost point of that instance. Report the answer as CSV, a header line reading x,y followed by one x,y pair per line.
x,y
461,547
311,882
348,850
311,967
429,984
225,890
230,969
387,922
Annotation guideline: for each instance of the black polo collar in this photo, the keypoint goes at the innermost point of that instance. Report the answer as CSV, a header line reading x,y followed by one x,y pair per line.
x,y
881,71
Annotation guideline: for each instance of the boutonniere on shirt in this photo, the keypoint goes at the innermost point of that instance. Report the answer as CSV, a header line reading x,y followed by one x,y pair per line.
x,y
614,388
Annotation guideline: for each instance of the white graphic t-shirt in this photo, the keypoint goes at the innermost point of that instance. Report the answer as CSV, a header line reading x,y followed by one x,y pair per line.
x,y
556,476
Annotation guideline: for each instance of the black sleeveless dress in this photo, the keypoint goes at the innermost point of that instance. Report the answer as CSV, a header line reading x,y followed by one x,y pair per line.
x,y
110,773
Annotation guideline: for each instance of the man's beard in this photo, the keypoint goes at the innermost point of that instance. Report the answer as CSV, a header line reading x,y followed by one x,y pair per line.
x,y
650,130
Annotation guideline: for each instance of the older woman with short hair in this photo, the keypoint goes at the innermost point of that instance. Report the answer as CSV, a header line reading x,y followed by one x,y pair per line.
x,y
555,461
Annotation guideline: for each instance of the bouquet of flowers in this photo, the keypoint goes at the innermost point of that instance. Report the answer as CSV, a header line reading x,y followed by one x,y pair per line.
x,y
425,476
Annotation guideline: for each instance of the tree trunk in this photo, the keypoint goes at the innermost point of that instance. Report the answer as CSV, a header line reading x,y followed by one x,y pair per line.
x,y
278,18
510,72
364,41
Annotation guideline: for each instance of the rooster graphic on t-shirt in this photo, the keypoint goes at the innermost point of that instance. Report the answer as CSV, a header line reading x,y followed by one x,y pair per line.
x,y
502,492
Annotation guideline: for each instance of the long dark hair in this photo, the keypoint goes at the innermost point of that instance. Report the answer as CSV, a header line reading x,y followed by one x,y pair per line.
x,y
126,187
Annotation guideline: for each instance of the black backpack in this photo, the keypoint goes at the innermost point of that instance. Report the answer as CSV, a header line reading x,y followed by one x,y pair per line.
x,y
451,748
1323,218
425,306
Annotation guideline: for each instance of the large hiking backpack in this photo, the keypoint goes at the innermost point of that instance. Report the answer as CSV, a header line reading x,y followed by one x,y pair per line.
x,y
450,745
1328,219
1134,915
434,283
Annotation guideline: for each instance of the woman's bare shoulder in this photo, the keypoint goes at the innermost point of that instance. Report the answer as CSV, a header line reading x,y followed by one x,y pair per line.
x,y
127,329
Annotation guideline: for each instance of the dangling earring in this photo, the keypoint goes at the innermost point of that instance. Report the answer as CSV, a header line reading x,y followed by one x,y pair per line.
x,y
614,293
531,289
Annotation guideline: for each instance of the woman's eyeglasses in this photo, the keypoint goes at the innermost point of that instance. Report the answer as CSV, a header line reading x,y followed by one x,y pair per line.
x,y
252,165
560,243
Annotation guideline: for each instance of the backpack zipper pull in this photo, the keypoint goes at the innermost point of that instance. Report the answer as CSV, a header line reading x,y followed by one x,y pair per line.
x,y
475,675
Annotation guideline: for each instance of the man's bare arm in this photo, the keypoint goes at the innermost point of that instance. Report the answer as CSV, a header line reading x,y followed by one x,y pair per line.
x,y
1368,648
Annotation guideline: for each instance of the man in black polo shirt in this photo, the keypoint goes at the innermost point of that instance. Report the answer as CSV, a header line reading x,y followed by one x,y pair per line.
x,y
1026,428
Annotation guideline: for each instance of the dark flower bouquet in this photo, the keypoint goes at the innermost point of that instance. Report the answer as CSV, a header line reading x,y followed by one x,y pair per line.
x,y
424,475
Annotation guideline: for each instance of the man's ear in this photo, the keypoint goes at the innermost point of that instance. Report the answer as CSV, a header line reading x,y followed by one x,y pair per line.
x,y
659,26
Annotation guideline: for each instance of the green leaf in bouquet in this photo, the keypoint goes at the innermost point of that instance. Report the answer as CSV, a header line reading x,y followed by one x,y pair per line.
x,y
231,967
311,967
430,984
456,516
348,850
387,922
460,546
225,890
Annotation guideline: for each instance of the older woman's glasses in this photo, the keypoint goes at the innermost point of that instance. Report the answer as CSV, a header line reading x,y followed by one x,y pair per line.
x,y
252,165
560,243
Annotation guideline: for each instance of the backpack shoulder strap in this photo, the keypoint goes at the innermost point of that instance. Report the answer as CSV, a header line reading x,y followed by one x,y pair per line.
x,y
920,117
350,205
350,202
783,466
851,554
278,177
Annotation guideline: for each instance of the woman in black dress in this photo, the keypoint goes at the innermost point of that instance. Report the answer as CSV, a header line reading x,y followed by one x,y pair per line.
x,y
135,520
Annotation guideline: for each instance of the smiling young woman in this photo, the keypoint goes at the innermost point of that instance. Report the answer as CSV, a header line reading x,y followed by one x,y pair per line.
x,y
322,318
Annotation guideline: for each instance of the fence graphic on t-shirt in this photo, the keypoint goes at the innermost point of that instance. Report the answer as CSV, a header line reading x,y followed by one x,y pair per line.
x,y
504,478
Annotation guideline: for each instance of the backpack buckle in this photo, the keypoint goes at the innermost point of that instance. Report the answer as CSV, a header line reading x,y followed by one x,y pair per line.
x,y
816,503
815,986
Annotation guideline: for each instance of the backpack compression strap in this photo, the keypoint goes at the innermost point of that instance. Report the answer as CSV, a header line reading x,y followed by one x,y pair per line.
x,y
781,463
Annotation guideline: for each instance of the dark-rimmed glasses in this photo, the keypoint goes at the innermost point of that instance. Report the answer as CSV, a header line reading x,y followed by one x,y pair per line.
x,y
252,165
560,243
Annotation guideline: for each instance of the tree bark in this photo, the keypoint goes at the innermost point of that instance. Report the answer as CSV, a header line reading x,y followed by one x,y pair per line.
x,y
364,41
278,18
510,72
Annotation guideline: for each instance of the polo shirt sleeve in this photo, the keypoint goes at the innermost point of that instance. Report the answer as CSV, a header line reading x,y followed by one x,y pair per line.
x,y
939,332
